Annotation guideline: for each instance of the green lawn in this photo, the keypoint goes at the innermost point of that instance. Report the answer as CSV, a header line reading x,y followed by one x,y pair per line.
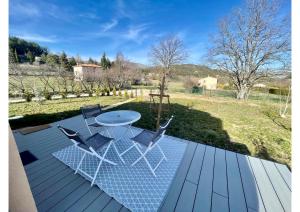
x,y
53,110
250,127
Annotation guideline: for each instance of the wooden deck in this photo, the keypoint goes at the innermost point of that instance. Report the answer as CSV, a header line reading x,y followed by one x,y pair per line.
x,y
208,179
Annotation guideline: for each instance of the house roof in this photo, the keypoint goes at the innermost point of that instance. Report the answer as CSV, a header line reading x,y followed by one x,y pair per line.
x,y
88,65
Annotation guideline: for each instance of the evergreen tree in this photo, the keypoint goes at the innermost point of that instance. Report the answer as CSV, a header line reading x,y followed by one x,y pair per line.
x,y
12,59
91,61
104,62
63,58
72,61
30,57
64,63
16,56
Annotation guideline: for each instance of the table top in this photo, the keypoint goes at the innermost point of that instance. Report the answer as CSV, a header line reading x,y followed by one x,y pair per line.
x,y
118,118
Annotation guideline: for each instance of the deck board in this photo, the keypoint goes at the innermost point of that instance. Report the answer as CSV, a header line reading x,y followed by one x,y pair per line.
x,y
269,197
219,203
186,199
85,200
195,168
205,185
62,198
285,173
172,196
208,179
251,190
220,174
99,203
113,205
282,191
237,201
81,188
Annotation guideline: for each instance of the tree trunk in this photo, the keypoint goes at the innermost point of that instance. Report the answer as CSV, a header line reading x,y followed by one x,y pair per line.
x,y
162,88
242,92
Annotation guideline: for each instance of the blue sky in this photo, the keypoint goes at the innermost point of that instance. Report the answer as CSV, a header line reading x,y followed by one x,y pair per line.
x,y
90,27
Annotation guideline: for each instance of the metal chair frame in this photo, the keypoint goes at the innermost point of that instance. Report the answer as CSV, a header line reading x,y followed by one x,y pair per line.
x,y
88,117
92,152
150,146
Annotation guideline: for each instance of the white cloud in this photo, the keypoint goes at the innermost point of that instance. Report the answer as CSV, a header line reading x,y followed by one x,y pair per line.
x,y
135,33
25,9
122,11
38,38
109,25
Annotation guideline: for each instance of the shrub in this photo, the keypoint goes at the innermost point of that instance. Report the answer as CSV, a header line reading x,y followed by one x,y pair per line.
x,y
190,82
28,96
278,91
107,91
126,94
197,89
77,91
98,91
63,94
47,95
120,93
114,91
103,91
131,94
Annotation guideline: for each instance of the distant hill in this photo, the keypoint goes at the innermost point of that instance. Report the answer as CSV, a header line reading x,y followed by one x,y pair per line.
x,y
22,47
199,71
196,70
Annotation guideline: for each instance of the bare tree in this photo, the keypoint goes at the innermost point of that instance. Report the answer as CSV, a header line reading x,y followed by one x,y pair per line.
x,y
167,53
251,42
63,79
46,81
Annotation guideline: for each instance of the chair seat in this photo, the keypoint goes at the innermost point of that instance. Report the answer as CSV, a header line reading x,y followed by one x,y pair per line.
x,y
145,137
95,124
97,141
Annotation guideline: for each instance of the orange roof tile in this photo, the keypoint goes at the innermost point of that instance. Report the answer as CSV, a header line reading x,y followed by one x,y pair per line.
x,y
88,65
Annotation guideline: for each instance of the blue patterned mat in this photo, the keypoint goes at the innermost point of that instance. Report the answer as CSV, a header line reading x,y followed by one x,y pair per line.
x,y
133,186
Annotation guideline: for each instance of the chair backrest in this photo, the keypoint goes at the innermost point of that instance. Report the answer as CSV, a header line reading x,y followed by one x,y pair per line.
x,y
90,111
162,129
72,135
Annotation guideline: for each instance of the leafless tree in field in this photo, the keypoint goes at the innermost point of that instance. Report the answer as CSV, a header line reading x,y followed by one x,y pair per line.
x,y
250,43
63,79
72,83
17,79
167,53
46,81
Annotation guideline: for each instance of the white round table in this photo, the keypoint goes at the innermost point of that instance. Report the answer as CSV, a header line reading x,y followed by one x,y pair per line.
x,y
116,119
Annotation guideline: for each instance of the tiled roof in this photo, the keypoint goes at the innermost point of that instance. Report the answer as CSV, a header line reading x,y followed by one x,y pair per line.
x,y
88,65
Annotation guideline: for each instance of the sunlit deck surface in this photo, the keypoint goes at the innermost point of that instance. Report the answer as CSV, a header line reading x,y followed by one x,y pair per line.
x,y
208,179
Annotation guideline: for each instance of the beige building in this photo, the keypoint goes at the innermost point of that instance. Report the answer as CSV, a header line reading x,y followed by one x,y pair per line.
x,y
86,71
209,83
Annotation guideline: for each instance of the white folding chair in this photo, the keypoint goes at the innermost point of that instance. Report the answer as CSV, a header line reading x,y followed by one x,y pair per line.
x,y
90,146
89,114
150,140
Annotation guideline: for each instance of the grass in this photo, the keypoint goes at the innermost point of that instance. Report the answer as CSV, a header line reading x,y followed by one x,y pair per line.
x,y
250,127
53,110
